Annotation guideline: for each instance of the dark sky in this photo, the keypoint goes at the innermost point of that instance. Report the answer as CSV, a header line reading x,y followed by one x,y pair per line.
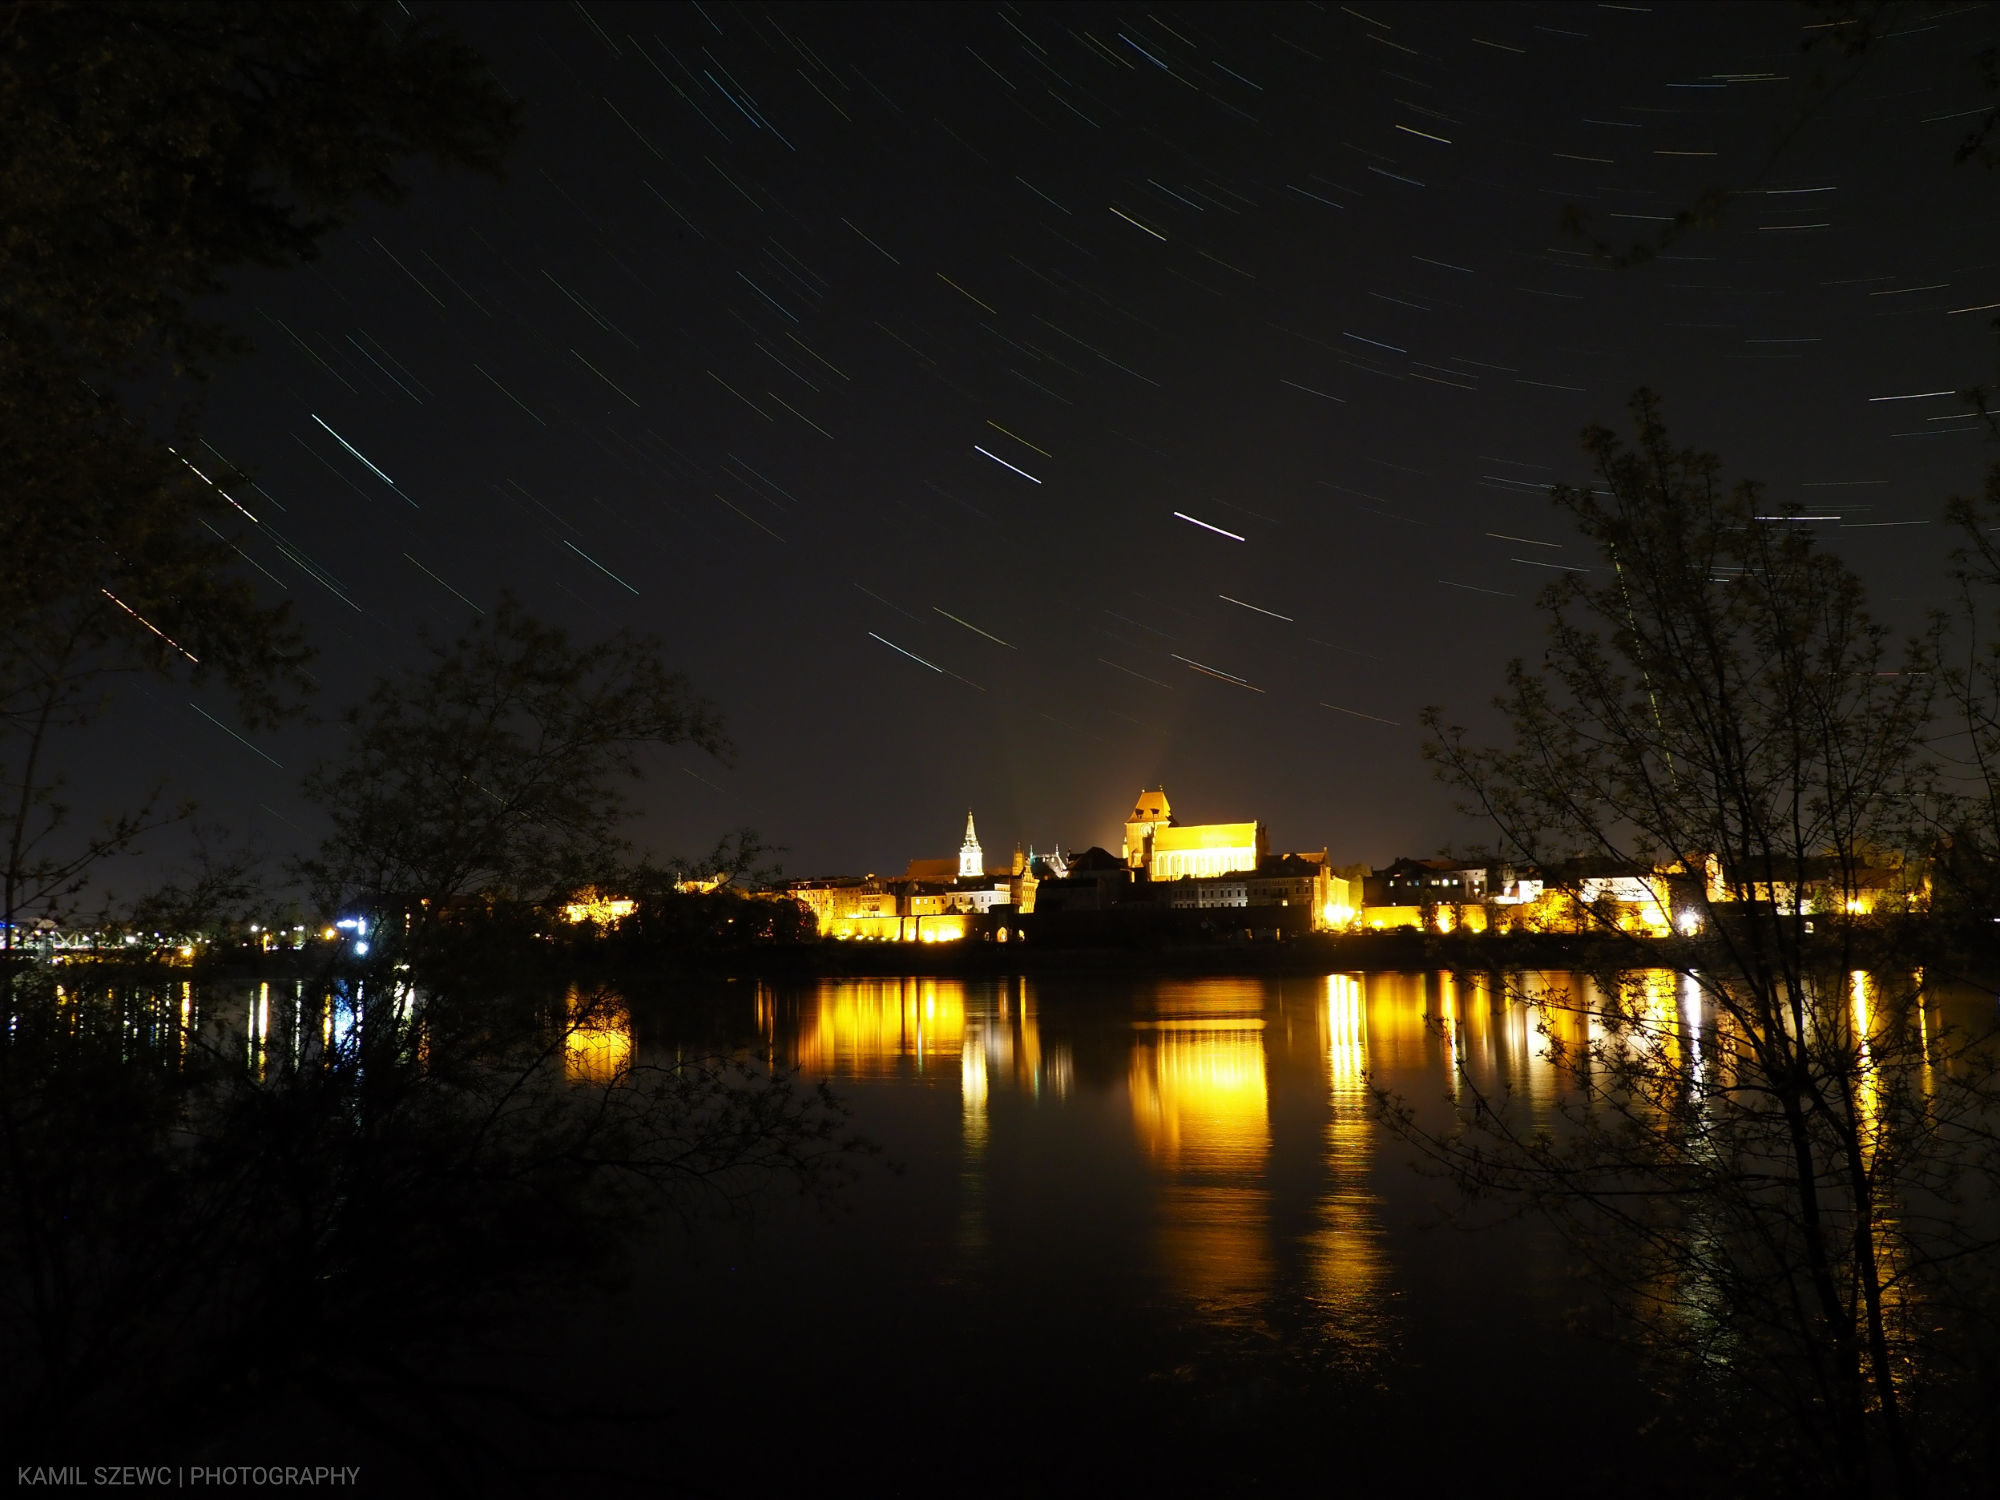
x,y
840,345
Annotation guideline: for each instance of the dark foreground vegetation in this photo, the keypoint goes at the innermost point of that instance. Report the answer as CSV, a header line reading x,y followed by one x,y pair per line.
x,y
219,1212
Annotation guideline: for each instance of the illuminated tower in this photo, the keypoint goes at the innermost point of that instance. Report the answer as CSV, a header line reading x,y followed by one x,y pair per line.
x,y
1150,813
971,859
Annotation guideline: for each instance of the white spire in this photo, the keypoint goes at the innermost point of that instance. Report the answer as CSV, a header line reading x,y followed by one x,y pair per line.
x,y
971,859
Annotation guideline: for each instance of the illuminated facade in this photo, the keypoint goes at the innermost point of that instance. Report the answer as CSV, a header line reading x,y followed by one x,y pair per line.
x,y
1315,899
1423,882
832,901
927,927
1169,851
932,901
593,906
966,886
1441,918
971,859
1828,885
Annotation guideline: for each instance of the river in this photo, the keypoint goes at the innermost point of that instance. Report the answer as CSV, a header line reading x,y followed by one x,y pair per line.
x,y
1112,1234
1149,1231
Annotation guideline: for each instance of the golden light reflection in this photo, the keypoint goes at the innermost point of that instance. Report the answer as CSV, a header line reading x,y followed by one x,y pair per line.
x,y
972,1087
597,1047
880,1028
1869,1003
1199,1097
871,1028
1399,1036
1691,1004
1347,1255
1201,1109
1658,1004
258,1032
1867,1081
1347,1034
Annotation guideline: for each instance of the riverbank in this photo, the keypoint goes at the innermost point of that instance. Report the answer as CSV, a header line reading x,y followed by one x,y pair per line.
x,y
1404,949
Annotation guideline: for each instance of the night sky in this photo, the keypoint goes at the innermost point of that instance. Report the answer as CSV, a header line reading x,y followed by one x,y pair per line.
x,y
1011,408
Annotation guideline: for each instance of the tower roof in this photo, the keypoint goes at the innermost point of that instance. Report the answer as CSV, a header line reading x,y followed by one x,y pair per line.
x,y
1152,807
971,859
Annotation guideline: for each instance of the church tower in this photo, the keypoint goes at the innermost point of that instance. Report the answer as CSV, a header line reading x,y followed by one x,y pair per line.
x,y
971,859
1150,813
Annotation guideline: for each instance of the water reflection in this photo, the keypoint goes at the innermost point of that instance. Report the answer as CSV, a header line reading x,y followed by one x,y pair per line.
x,y
1200,1103
1229,1120
1347,1260
597,1038
1247,1102
873,1028
1199,1097
1208,1144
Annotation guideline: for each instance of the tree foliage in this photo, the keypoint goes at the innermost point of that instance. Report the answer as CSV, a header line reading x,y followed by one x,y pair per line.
x,y
151,150
380,1182
155,147
1715,688
1767,1151
1842,45
1968,842
498,770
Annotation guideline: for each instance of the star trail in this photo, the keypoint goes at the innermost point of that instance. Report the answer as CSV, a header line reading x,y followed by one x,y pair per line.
x,y
744,347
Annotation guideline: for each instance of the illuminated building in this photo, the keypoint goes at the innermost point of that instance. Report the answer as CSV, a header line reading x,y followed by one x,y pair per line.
x,y
1378,918
1828,885
1420,882
593,906
1312,898
1631,903
932,901
971,860
941,885
946,927
1440,895
842,899
1168,851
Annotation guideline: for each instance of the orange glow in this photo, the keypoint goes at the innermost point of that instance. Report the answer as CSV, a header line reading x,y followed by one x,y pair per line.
x,y
599,910
1200,1106
1348,1260
1198,1095
1863,995
597,1048
1347,1034
1376,918
871,1027
944,927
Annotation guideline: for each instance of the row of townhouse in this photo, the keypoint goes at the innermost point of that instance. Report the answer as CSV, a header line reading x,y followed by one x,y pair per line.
x,y
1583,896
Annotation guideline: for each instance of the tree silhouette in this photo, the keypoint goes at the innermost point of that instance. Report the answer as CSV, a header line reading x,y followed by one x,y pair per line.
x,y
497,771
152,149
1767,1152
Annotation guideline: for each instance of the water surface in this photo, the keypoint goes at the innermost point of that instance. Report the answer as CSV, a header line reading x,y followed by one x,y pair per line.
x,y
1118,1234
1153,1224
